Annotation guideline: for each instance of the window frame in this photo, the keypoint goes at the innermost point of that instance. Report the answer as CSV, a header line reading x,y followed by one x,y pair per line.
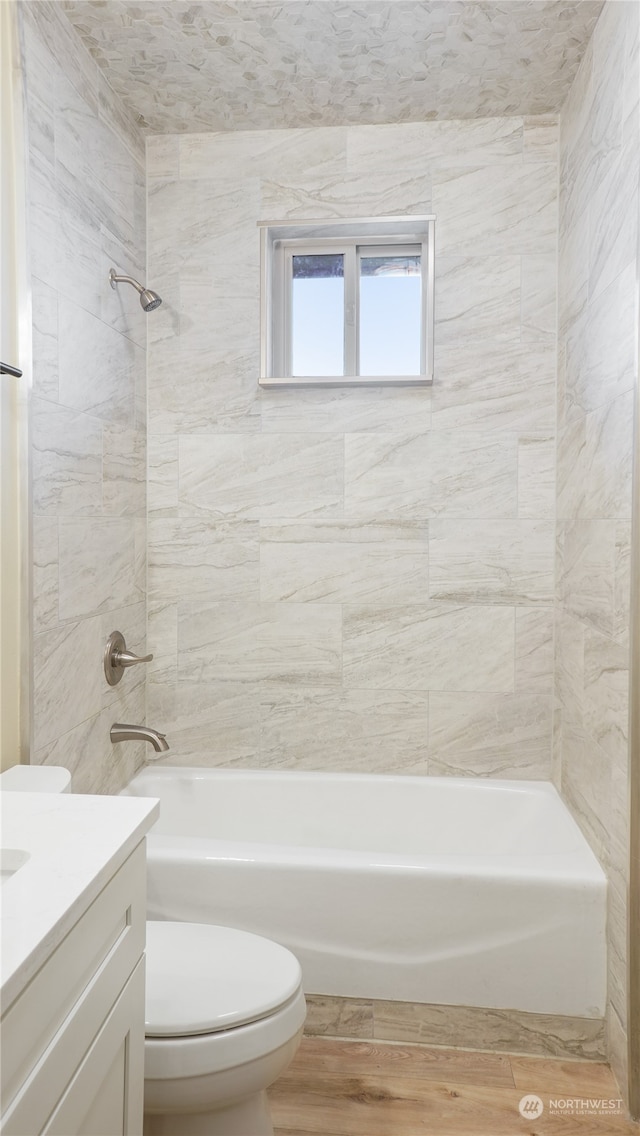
x,y
280,241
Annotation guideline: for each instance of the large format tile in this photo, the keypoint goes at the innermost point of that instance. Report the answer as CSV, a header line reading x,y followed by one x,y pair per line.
x,y
66,448
357,731
67,679
97,366
429,647
297,643
97,566
309,152
454,474
495,210
344,562
207,723
494,386
490,735
260,476
193,558
509,562
477,298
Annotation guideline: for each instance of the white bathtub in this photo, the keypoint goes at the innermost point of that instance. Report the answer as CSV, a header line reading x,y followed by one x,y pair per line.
x,y
442,890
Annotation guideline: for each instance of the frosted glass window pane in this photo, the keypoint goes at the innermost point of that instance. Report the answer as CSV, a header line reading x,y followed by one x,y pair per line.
x,y
317,315
390,315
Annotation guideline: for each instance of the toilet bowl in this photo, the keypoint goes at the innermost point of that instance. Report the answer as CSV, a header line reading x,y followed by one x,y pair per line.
x,y
224,1017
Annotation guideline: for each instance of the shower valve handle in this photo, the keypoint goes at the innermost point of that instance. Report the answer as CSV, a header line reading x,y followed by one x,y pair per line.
x,y
117,657
128,659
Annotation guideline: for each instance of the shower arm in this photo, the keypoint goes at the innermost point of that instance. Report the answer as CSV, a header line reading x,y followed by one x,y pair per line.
x,y
117,278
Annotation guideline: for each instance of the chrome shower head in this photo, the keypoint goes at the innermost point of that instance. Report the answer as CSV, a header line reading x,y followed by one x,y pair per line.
x,y
149,300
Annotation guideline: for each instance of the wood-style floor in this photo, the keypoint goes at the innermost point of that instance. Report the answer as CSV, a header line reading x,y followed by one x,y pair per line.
x,y
354,1088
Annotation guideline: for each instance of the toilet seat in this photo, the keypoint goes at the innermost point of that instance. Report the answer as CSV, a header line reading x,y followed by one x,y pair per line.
x,y
204,979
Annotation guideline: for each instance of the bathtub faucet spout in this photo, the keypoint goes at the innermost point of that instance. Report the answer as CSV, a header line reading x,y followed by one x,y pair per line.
x,y
121,732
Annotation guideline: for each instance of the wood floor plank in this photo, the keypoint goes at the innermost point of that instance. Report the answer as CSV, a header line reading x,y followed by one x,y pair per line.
x,y
433,1064
336,1088
572,1078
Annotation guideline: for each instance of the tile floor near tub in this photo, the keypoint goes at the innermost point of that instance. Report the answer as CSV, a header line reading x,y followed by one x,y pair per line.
x,y
354,1088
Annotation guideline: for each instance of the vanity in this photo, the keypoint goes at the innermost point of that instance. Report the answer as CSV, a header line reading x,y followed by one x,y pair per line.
x,y
72,937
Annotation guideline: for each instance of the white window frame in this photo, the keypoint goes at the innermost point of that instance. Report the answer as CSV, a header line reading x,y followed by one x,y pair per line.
x,y
281,241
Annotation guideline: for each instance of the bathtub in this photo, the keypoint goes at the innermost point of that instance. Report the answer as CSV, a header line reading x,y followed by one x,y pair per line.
x,y
423,889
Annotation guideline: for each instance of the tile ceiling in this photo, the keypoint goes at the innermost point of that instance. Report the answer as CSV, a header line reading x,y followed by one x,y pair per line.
x,y
260,64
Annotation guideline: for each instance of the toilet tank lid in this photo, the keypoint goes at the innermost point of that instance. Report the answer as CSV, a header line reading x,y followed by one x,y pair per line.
x,y
202,978
36,779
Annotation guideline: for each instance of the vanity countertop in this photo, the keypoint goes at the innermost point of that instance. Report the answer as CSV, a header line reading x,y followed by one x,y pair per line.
x,y
58,851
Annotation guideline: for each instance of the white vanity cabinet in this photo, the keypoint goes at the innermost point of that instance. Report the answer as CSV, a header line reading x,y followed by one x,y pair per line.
x,y
73,1037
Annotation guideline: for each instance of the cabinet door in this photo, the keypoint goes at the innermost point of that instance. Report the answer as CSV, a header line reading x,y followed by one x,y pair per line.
x,y
106,1094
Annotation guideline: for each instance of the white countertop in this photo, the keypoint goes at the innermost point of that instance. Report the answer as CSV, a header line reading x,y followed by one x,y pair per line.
x,y
75,845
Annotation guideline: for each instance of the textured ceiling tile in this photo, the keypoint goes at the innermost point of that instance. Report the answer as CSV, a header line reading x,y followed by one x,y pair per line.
x,y
264,64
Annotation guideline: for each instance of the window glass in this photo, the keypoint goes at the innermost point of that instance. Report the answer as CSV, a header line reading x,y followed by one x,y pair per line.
x,y
390,315
317,314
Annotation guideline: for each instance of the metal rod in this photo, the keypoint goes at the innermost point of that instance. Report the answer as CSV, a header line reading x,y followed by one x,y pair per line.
x,y
7,369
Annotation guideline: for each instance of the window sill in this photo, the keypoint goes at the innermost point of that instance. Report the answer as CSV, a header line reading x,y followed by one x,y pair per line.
x,y
349,381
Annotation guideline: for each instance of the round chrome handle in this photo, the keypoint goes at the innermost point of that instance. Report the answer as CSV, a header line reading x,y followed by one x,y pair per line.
x,y
117,657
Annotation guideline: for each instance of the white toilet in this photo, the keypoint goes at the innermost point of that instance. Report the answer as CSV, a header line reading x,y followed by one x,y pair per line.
x,y
224,1017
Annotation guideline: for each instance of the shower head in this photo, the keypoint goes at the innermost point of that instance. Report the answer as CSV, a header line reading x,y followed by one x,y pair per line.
x,y
149,300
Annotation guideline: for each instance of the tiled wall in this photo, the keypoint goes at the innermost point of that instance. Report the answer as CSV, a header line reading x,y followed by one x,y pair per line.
x,y
86,212
355,579
598,340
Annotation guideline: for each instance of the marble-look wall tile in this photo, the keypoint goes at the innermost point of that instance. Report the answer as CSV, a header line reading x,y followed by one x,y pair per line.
x,y
65,660
312,153
606,693
534,649
496,385
262,476
162,640
85,214
357,731
162,475
345,562
45,574
96,366
586,557
345,410
66,449
205,390
203,559
510,562
493,209
286,642
385,193
162,155
477,298
345,483
539,287
456,474
97,566
207,723
540,138
124,472
536,475
465,142
95,763
490,735
429,647
44,301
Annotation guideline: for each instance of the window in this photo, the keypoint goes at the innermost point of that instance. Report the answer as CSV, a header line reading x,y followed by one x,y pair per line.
x,y
348,303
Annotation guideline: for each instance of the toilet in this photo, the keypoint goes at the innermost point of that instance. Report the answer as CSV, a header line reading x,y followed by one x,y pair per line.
x,y
224,1012
224,1017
